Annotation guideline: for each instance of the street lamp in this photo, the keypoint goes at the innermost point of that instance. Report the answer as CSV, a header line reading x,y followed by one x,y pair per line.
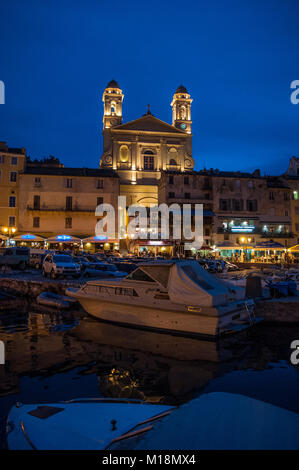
x,y
9,231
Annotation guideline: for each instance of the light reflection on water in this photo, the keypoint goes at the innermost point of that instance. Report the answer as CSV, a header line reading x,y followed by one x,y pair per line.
x,y
52,357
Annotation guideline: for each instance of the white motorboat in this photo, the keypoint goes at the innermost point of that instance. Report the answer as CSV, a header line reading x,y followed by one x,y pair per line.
x,y
213,421
177,296
81,424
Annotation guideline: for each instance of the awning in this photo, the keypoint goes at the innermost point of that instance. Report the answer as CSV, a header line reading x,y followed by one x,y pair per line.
x,y
205,212
294,248
228,246
28,237
99,239
64,239
269,245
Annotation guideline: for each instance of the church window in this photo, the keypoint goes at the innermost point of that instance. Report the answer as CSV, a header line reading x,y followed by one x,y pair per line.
x,y
124,154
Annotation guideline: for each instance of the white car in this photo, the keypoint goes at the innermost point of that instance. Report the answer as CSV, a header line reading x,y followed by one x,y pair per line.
x,y
60,265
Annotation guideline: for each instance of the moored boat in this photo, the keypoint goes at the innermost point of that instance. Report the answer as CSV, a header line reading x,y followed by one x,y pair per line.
x,y
176,296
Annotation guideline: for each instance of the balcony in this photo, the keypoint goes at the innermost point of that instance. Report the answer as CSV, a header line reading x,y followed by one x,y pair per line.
x,y
257,231
73,209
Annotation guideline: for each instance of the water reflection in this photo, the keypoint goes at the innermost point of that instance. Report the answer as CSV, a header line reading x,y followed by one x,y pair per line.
x,y
75,356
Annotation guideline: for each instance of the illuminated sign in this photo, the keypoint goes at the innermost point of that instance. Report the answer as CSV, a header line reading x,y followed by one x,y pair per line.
x,y
242,228
63,237
28,237
100,237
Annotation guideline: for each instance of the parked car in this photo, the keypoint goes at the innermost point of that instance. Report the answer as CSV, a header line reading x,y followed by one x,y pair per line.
x,y
82,261
103,270
16,257
37,257
60,265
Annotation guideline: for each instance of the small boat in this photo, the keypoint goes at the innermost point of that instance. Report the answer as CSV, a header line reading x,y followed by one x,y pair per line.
x,y
213,421
49,299
176,296
81,424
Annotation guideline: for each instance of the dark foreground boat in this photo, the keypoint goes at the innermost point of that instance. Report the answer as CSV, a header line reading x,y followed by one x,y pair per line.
x,y
212,421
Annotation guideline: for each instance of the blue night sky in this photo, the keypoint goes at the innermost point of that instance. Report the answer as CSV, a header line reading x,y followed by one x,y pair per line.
x,y
237,59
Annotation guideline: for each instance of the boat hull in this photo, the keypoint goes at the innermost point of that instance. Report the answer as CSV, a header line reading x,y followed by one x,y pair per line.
x,y
169,320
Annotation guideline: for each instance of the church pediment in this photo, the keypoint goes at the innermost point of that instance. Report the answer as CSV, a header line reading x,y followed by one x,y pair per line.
x,y
149,123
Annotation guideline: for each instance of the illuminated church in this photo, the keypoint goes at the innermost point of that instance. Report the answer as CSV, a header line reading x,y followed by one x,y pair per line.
x,y
138,150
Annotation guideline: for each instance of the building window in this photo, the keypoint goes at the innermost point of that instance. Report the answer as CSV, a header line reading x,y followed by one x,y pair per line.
x,y
68,203
224,204
297,227
124,154
12,201
100,200
170,179
172,162
13,177
36,203
237,204
171,195
286,213
251,205
68,222
149,162
11,221
250,184
286,196
37,181
69,183
2,159
295,195
271,196
36,222
14,160
187,195
100,184
186,179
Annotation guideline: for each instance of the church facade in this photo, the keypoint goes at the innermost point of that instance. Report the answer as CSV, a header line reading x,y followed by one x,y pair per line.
x,y
141,149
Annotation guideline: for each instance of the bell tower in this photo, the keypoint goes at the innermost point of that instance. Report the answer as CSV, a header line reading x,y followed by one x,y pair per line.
x,y
112,99
181,110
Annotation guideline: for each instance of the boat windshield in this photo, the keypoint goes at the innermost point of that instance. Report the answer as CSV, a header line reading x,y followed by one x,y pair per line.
x,y
130,438
139,275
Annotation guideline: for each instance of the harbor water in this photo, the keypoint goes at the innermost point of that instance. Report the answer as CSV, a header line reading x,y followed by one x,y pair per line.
x,y
52,357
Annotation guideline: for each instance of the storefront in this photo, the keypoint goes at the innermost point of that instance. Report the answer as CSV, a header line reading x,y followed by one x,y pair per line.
x,y
99,243
64,242
293,254
30,240
269,252
154,248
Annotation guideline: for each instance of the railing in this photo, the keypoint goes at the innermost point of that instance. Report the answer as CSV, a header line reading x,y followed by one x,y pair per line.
x,y
60,209
257,231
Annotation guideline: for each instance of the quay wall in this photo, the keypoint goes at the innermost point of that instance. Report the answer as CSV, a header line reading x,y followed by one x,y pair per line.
x,y
31,289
